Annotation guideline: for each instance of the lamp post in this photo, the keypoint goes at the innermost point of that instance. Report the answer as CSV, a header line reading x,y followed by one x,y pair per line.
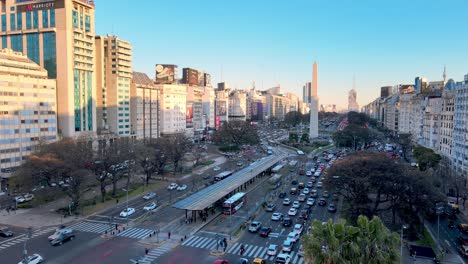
x,y
403,227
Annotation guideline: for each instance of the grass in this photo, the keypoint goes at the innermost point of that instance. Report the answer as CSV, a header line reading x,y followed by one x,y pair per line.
x,y
426,240
207,163
136,189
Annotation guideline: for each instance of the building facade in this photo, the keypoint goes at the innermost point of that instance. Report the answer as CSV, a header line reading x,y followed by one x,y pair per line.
x,y
237,106
59,36
446,124
113,75
173,107
27,109
460,128
144,105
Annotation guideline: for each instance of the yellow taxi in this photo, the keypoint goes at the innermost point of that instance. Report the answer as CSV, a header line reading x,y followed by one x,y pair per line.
x,y
258,261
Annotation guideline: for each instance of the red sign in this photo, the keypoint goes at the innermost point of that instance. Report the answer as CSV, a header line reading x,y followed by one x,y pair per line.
x,y
217,121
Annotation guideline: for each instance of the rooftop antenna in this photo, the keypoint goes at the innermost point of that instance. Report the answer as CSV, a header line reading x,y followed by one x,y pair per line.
x,y
445,73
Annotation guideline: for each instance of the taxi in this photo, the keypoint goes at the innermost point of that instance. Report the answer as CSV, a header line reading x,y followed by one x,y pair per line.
x,y
258,261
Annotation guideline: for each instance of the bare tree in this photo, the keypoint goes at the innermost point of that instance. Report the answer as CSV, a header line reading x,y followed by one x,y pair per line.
x,y
178,146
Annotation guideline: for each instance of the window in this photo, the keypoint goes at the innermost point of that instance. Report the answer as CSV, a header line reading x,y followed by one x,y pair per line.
x,y
50,60
4,42
33,47
45,18
75,19
28,20
52,17
87,23
12,22
19,21
35,19
17,43
3,23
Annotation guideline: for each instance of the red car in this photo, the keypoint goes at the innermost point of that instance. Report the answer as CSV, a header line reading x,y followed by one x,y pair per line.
x,y
301,172
264,231
322,202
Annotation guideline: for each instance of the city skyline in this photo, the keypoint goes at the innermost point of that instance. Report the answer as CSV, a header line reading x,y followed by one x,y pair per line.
x,y
381,43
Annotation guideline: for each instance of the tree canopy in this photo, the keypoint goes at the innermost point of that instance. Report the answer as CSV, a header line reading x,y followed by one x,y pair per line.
x,y
426,157
237,133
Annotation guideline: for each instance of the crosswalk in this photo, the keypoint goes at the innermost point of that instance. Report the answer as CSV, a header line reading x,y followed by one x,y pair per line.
x,y
138,233
92,227
21,238
154,254
251,251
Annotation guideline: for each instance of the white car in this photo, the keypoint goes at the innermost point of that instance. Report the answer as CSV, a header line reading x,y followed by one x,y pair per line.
x,y
216,168
33,259
182,187
292,211
276,216
286,201
306,191
59,232
317,173
150,206
283,258
298,228
287,245
272,250
293,237
308,173
172,186
127,212
20,199
310,201
296,204
319,184
149,196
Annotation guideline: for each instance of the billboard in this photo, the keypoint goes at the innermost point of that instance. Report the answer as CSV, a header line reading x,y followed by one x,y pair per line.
x,y
189,115
207,79
217,121
221,109
201,79
190,76
165,73
256,111
40,6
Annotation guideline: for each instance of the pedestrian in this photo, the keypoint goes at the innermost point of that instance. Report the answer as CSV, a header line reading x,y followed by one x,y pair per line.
x,y
8,210
117,200
146,251
168,235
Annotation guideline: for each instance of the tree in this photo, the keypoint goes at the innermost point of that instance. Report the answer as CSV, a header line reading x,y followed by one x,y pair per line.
x,y
293,137
178,146
352,136
237,133
367,242
355,118
404,139
293,118
426,157
305,138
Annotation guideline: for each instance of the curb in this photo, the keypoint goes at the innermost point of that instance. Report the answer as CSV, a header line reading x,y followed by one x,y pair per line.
x,y
153,244
217,254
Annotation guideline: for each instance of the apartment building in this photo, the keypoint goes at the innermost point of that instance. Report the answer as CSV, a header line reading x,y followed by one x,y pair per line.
x,y
144,105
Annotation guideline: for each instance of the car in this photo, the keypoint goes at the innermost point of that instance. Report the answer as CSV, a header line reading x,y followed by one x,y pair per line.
x,y
293,191
272,250
283,259
221,261
335,197
5,232
254,226
331,208
301,172
317,173
58,232
258,261
463,250
264,231
277,216
287,245
292,212
296,204
20,199
463,240
310,201
322,202
304,214
301,197
314,193
313,180
309,184
319,184
242,261
301,185
127,212
172,186
463,228
300,251
293,236
308,173
28,197
239,164
63,237
150,206
294,182
182,187
270,207
286,201
287,222
33,259
325,194
149,196
298,228
216,168
282,195
305,191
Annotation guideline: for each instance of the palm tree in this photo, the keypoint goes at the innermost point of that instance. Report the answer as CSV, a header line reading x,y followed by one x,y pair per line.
x,y
368,242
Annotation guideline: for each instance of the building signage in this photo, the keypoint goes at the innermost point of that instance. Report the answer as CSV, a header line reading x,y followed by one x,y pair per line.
x,y
165,73
40,6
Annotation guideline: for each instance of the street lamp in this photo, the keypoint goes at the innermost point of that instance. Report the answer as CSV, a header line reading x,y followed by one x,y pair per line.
x,y
403,227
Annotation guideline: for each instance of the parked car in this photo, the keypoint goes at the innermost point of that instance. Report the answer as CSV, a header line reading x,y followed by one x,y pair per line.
x,y
463,250
283,259
301,185
301,197
270,207
314,193
294,182
331,208
28,197
33,259
172,186
264,231
63,237
216,168
300,251
319,184
254,226
305,191
150,206
298,228
20,199
325,194
286,201
272,250
322,202
304,214
5,232
287,221
182,187
308,173
149,196
309,184
127,212
293,191
277,216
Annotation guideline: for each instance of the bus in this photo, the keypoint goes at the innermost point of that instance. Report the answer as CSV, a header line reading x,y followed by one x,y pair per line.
x,y
223,175
293,163
234,203
277,168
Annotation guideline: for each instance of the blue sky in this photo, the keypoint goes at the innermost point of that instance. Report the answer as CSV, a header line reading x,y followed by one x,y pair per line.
x,y
275,42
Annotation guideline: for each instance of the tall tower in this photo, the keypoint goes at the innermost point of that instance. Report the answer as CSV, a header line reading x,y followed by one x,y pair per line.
x,y
445,74
314,103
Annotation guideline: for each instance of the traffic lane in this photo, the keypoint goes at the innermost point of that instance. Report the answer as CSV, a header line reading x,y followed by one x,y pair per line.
x,y
187,255
41,245
447,235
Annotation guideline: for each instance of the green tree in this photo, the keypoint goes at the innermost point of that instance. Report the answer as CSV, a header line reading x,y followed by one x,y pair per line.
x,y
293,118
177,147
426,157
404,139
293,137
355,118
352,136
367,242
237,133
305,138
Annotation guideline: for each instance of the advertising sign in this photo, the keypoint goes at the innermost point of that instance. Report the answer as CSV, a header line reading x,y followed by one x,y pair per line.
x,y
207,79
221,108
189,115
201,79
165,73
217,121
190,76
40,6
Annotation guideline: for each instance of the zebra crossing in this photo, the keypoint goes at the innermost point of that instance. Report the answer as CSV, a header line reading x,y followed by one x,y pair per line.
x,y
21,238
251,251
138,233
92,227
154,254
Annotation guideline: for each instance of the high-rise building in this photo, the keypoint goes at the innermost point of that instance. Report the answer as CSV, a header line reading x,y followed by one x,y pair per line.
x,y
314,103
460,128
114,75
144,107
27,109
352,101
173,109
59,36
237,106
307,92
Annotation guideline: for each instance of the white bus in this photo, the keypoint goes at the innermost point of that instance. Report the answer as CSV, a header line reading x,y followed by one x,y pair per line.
x,y
234,203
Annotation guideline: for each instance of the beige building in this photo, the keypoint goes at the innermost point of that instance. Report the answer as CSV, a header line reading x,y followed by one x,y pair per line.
x,y
173,107
208,100
277,106
237,106
460,130
59,36
431,122
113,75
194,111
405,120
27,109
446,123
144,107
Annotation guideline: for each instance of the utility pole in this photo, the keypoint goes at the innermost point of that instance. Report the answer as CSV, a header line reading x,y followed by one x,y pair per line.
x,y
25,251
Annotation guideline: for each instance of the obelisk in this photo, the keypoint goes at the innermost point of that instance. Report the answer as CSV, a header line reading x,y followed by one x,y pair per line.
x,y
314,104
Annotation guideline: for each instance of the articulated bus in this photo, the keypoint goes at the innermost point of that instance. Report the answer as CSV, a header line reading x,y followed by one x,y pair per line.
x,y
223,175
234,203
